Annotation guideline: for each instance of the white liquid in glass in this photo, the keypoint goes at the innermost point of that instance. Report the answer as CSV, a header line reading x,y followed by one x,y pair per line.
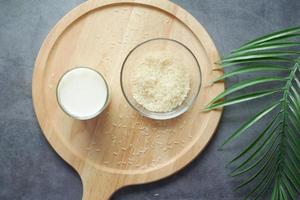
x,y
82,93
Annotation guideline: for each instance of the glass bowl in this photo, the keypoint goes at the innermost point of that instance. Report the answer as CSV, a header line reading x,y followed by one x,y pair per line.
x,y
178,51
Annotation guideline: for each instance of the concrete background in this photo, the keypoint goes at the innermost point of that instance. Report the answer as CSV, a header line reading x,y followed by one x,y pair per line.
x,y
31,170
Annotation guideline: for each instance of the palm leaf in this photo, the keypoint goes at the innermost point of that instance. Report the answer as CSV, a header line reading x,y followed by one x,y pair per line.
x,y
243,98
255,143
289,188
245,84
283,34
272,45
254,55
264,147
256,60
267,153
268,176
251,68
273,157
249,123
260,171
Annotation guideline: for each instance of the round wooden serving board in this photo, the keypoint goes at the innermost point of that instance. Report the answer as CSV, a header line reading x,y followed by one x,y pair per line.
x,y
120,147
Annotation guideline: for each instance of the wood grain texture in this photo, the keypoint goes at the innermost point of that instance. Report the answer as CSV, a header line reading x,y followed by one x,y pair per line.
x,y
120,147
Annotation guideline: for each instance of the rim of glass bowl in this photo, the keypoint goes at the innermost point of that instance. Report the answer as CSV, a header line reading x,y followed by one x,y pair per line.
x,y
86,117
161,115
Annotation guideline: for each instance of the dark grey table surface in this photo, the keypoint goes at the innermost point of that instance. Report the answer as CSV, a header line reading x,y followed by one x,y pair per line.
x,y
31,170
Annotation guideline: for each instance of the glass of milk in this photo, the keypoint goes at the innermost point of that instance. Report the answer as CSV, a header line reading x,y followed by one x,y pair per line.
x,y
82,93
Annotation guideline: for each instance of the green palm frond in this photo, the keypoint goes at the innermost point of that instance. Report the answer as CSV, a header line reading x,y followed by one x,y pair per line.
x,y
272,159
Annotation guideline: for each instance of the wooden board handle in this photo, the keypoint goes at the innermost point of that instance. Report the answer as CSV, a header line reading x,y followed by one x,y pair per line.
x,y
98,186
96,194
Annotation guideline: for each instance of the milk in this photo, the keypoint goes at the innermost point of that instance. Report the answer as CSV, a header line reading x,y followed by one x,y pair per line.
x,y
82,93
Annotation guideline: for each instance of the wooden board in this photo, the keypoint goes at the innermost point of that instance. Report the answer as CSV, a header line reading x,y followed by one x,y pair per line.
x,y
120,147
